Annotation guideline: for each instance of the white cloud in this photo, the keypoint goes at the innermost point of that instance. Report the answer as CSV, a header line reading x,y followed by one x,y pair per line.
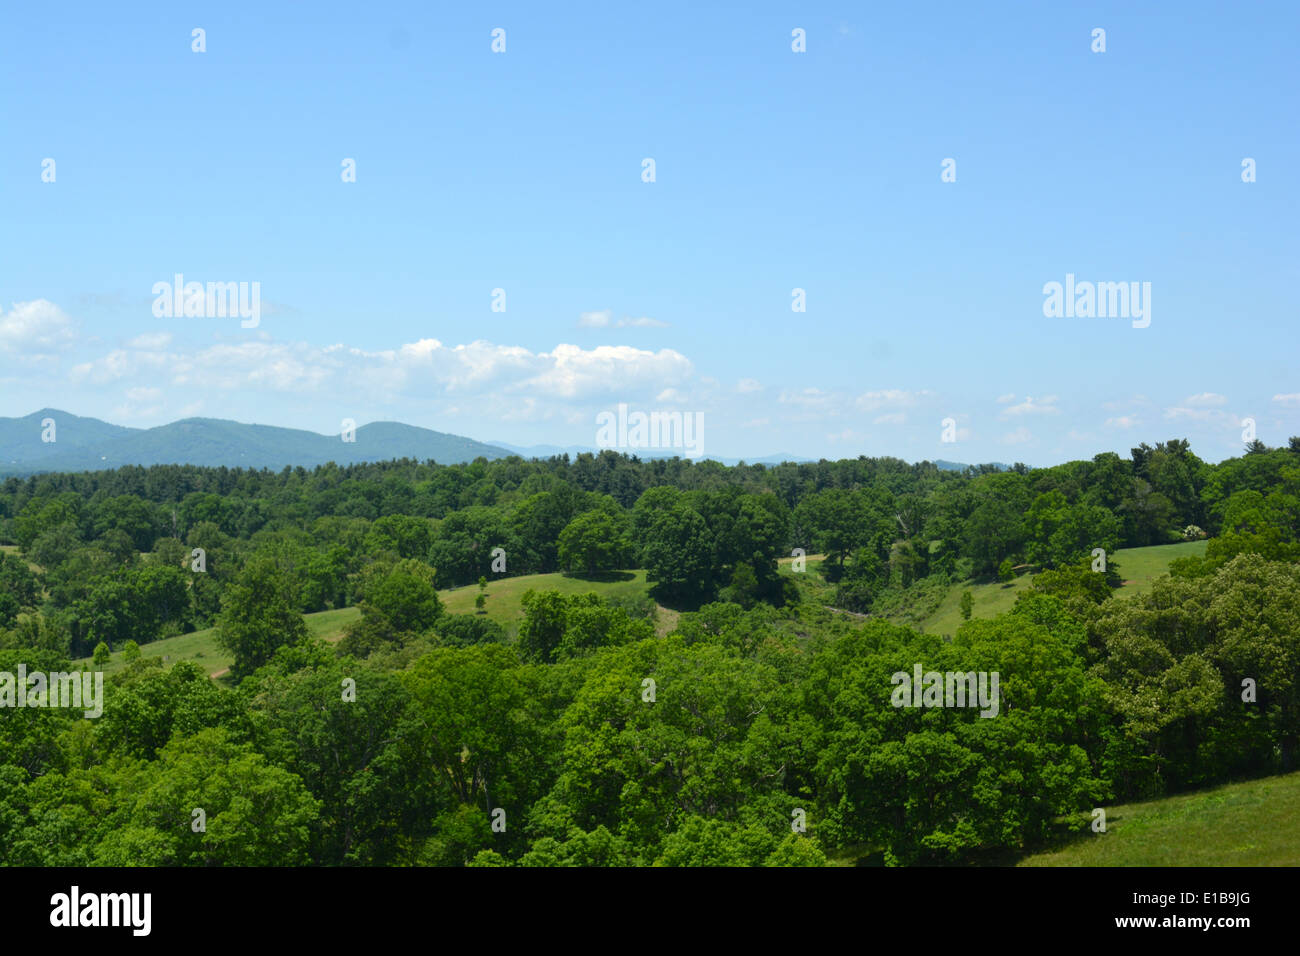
x,y
1032,406
1008,397
1017,437
141,402
888,398
569,371
1212,416
748,385
502,376
1123,421
35,329
893,418
604,318
808,398
151,341
1205,399
1291,399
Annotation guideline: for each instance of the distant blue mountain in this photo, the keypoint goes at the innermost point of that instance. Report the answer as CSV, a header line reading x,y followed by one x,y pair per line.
x,y
86,444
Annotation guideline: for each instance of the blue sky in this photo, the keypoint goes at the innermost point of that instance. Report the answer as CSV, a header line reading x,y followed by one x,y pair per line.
x,y
774,170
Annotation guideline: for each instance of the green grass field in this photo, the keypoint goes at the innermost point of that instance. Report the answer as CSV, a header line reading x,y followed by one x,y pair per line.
x,y
202,646
1256,823
503,606
13,549
813,588
506,594
1138,567
991,599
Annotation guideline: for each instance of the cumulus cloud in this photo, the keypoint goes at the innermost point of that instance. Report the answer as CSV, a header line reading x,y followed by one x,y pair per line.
x,y
506,375
1032,406
746,385
1212,416
1290,399
1122,421
808,398
35,329
1205,399
604,318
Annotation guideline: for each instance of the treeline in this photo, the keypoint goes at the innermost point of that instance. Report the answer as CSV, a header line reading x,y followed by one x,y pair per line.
x,y
118,550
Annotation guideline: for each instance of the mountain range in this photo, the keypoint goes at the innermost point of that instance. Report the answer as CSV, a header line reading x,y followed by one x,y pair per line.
x,y
57,441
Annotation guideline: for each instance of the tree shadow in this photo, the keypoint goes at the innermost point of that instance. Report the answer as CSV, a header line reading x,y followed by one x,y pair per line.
x,y
601,577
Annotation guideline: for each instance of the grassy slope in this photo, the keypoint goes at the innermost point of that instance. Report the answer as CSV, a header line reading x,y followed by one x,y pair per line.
x,y
503,606
505,595
1240,824
1138,566
202,645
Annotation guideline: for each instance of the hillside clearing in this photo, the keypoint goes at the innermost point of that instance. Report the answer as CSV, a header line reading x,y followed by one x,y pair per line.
x,y
1139,567
504,605
1256,823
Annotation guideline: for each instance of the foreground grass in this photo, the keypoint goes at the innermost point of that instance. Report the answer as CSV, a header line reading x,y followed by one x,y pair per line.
x,y
1256,823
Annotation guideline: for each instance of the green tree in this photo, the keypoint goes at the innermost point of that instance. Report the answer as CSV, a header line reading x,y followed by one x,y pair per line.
x,y
678,553
258,616
595,542
967,605
406,597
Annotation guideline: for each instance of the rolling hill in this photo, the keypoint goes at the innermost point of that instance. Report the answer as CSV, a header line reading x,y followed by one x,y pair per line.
x,y
21,438
87,444
1240,824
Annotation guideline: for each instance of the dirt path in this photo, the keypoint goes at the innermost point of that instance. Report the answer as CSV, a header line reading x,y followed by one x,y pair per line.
x,y
840,610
